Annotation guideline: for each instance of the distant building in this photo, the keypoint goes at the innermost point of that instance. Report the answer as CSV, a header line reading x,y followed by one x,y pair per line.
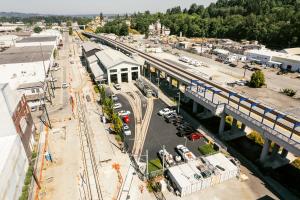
x,y
11,27
184,45
158,29
38,41
116,67
275,59
8,40
292,51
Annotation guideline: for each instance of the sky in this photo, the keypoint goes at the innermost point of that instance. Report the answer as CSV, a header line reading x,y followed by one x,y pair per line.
x,y
93,6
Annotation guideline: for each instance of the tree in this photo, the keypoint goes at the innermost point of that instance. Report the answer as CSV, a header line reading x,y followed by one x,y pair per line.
x,y
70,31
37,29
108,107
257,79
69,23
123,29
117,122
18,29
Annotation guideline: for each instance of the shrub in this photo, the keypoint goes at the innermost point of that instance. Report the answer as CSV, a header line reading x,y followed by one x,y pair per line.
x,y
118,138
296,163
256,137
96,88
206,149
289,92
257,79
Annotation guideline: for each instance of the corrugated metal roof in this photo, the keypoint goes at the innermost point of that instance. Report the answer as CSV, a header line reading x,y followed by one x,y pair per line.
x,y
26,54
38,39
88,46
110,58
221,160
97,71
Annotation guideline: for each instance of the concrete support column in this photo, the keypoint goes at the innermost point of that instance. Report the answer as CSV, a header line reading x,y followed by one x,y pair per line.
x,y
170,82
275,149
178,84
234,122
265,150
284,153
243,127
195,106
222,124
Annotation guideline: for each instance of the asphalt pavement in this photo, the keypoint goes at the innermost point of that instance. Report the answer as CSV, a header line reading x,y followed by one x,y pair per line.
x,y
162,133
126,106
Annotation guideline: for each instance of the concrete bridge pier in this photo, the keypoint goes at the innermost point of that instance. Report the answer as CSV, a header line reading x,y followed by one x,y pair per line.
x,y
195,106
265,150
222,124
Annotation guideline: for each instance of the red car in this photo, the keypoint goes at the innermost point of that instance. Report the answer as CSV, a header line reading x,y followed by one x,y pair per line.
x,y
126,119
195,136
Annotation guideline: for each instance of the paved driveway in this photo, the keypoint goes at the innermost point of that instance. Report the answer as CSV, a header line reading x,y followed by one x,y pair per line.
x,y
161,133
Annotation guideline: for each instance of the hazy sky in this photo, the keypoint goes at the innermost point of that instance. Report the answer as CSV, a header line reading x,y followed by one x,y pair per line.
x,y
93,6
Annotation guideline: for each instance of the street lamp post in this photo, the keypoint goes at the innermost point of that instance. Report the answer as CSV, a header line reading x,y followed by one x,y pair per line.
x,y
178,103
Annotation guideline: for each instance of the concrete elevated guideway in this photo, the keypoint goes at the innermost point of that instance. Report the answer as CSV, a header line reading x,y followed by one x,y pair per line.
x,y
272,124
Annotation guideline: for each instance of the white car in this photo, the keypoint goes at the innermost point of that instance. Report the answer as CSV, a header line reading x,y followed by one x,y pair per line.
x,y
168,158
166,111
126,130
124,112
185,153
114,97
117,105
117,86
64,85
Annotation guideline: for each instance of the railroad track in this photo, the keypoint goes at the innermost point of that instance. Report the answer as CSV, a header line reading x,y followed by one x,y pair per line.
x,y
224,91
91,186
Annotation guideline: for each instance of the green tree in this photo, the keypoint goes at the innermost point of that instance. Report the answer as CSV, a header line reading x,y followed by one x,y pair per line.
x,y
18,29
69,23
70,31
108,107
123,29
118,124
257,79
102,94
37,29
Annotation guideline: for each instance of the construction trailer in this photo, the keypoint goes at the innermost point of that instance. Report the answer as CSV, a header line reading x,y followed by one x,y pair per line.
x,y
201,173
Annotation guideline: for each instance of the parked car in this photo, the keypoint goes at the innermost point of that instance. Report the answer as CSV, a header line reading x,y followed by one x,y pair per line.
x,y
195,136
166,111
114,97
124,112
185,153
33,109
64,85
168,158
171,115
117,86
126,119
126,130
117,105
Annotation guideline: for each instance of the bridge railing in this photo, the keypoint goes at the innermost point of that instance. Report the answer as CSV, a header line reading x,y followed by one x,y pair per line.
x,y
266,128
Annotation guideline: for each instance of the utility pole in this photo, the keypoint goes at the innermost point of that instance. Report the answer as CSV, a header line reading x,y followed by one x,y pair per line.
x,y
163,158
147,170
178,103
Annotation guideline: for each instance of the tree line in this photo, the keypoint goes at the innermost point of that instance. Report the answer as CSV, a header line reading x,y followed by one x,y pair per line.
x,y
275,23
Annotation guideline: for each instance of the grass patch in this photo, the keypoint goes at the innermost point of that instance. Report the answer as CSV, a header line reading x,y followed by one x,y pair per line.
x,y
118,138
207,149
96,88
154,165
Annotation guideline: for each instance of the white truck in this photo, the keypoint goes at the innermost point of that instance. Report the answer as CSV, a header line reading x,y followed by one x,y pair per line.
x,y
168,158
185,153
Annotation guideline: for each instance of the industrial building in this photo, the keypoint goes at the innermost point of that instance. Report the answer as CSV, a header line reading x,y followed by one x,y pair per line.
x,y
7,40
270,58
13,167
24,66
201,173
38,41
116,67
16,117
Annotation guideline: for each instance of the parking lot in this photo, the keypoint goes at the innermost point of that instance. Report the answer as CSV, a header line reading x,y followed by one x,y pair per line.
x,y
162,133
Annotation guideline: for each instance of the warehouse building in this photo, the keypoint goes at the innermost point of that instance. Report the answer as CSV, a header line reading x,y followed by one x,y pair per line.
x,y
284,61
116,67
13,167
202,173
23,67
38,41
16,117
